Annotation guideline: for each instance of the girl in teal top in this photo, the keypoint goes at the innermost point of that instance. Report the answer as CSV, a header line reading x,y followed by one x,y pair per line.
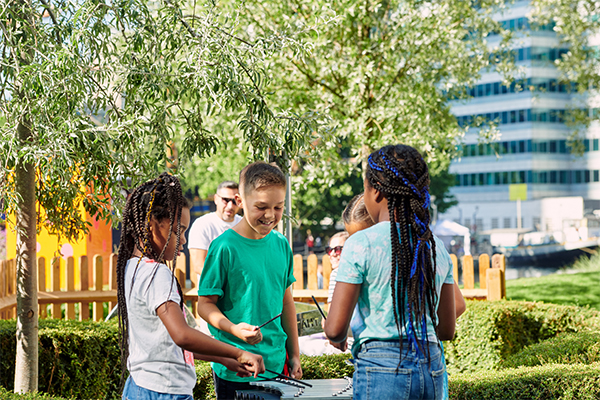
x,y
400,277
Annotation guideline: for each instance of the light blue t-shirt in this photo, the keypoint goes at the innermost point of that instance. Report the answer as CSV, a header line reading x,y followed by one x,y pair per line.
x,y
367,260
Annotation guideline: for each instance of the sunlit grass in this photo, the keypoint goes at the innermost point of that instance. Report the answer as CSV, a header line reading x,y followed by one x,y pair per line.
x,y
577,284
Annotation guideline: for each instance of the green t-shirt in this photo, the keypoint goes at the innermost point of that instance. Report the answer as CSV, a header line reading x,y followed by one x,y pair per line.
x,y
250,277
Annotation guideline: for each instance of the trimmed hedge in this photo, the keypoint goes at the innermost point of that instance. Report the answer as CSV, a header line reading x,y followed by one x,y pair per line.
x,y
81,359
9,395
570,348
76,359
491,331
547,382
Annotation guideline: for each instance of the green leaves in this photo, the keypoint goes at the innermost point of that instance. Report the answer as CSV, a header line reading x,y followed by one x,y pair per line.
x,y
107,89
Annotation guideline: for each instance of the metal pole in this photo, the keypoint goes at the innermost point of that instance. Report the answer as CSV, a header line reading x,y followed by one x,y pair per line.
x,y
287,225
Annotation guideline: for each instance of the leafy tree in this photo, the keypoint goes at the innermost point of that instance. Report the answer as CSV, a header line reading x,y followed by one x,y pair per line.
x,y
92,94
385,72
577,25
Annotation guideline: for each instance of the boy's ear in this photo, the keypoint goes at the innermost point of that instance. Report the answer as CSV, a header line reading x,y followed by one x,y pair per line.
x,y
238,199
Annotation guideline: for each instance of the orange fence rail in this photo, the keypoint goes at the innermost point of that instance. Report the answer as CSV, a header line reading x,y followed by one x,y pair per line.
x,y
54,299
491,277
58,299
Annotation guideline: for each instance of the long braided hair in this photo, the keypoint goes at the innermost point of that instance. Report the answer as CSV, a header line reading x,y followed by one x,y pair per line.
x,y
157,199
401,175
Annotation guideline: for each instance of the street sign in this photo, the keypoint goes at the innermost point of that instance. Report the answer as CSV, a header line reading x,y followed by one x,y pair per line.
x,y
517,191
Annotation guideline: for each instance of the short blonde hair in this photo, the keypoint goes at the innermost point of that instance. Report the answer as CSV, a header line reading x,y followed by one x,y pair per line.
x,y
341,235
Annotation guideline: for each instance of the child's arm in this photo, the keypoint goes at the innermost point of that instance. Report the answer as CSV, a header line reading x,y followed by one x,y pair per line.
x,y
290,326
342,305
197,342
447,312
459,301
208,310
229,363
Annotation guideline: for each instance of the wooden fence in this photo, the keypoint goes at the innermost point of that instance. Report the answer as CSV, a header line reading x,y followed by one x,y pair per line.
x,y
491,277
53,299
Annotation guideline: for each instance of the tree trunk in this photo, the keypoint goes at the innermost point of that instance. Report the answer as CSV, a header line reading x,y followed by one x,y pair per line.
x,y
26,369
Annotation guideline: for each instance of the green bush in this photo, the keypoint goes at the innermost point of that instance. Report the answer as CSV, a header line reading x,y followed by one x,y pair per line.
x,y
491,331
569,348
547,382
76,359
9,395
334,366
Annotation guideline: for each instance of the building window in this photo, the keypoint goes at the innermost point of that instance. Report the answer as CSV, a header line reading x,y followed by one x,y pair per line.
x,y
506,223
479,224
495,224
537,221
596,175
468,223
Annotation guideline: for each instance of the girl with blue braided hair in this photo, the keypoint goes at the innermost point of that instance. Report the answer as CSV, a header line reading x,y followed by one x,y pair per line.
x,y
399,276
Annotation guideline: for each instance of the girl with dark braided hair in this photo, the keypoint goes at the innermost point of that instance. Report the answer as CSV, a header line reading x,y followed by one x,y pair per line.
x,y
157,346
400,277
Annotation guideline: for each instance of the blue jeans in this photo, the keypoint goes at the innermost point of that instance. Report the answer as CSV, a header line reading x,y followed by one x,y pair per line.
x,y
380,374
131,391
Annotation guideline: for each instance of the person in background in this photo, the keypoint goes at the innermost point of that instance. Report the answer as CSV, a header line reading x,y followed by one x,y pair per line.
x,y
334,251
209,226
355,215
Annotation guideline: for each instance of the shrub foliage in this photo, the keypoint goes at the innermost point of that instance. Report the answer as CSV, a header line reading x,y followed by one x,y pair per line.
x,y
489,332
569,348
76,359
81,359
546,382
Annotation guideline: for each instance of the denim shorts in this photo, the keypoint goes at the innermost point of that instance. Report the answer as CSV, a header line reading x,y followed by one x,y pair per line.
x,y
131,391
380,373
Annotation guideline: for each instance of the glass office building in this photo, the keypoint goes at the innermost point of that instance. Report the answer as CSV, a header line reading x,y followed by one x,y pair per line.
x,y
532,148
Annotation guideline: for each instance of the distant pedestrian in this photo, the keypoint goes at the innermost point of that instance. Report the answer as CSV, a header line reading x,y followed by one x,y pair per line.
x,y
209,226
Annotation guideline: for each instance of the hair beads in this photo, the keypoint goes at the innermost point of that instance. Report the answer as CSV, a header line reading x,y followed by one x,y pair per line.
x,y
401,175
157,199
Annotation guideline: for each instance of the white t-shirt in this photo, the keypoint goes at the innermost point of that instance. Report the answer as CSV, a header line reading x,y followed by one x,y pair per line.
x,y
207,228
155,362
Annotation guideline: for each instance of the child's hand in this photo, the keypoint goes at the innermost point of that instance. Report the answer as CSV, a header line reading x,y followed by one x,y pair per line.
x,y
248,333
253,364
295,368
341,345
235,366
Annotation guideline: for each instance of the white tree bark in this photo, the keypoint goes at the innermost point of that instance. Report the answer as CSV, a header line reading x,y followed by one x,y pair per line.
x,y
26,369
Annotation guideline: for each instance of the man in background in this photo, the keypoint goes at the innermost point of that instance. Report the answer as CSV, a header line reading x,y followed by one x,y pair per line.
x,y
209,226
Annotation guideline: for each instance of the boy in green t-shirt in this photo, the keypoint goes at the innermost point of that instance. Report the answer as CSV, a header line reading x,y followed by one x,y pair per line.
x,y
246,279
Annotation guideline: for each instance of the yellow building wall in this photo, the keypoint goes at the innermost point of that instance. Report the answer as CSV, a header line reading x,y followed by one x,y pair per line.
x,y
97,241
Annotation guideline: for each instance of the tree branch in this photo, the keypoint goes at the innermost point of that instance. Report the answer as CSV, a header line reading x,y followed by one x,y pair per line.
x,y
114,106
313,80
53,17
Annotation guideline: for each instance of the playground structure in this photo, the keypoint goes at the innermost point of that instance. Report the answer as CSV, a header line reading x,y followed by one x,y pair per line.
x,y
66,284
98,241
